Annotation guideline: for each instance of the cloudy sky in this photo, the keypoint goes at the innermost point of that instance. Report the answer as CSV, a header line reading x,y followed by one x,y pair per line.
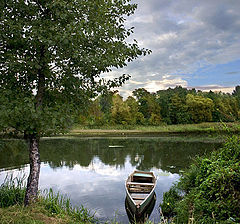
x,y
195,44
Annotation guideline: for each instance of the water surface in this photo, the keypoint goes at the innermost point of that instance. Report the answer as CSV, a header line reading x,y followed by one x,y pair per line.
x,y
92,171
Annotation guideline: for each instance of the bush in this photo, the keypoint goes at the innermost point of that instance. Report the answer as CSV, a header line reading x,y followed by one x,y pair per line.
x,y
169,203
211,188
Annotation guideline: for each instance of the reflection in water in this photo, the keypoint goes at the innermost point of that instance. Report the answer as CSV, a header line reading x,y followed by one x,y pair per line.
x,y
93,174
144,153
133,218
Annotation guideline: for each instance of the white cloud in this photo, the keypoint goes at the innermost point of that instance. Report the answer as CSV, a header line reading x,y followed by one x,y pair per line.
x,y
184,36
166,37
215,88
153,86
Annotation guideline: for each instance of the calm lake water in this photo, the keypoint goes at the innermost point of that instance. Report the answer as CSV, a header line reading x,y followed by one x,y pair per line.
x,y
92,171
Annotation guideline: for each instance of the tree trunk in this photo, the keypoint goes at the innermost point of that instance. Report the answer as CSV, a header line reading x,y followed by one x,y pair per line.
x,y
33,179
34,155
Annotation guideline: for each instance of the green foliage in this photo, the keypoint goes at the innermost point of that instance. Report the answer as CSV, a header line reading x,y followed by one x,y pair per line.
x,y
178,110
155,119
12,191
226,108
95,115
120,112
200,108
148,107
236,91
171,106
52,56
211,188
170,199
136,116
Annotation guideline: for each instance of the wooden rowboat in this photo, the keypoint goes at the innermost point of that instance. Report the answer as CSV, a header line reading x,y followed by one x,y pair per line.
x,y
140,186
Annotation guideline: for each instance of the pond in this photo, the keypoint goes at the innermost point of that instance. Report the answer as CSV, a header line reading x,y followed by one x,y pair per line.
x,y
92,171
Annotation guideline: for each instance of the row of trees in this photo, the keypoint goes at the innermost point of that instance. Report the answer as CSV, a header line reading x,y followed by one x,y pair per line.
x,y
172,106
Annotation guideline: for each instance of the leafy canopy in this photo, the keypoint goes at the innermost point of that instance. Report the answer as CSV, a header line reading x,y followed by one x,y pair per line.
x,y
52,56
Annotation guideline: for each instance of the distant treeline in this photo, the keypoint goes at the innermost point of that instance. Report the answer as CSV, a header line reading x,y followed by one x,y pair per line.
x,y
172,106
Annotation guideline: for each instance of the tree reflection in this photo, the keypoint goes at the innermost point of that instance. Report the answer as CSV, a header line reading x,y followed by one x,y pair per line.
x,y
143,153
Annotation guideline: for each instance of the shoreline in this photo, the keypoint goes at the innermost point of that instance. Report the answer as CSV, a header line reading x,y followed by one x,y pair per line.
x,y
212,130
158,131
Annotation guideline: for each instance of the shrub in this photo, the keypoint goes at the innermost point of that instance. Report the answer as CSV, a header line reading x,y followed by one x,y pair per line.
x,y
211,188
169,203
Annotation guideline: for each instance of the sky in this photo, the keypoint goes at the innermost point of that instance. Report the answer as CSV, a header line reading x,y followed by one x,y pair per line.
x,y
195,44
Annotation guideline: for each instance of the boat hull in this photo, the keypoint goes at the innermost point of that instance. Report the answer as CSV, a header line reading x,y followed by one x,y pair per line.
x,y
139,210
144,215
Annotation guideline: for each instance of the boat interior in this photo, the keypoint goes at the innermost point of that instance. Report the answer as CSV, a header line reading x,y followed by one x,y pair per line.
x,y
139,185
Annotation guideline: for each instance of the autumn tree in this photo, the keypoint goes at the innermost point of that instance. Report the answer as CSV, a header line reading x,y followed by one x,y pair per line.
x,y
136,116
120,111
200,108
148,105
52,56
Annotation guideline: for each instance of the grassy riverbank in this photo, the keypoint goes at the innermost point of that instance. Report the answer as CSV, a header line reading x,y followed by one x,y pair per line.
x,y
50,208
161,130
211,129
208,192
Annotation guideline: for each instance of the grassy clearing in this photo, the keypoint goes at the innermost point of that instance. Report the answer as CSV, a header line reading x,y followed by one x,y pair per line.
x,y
203,128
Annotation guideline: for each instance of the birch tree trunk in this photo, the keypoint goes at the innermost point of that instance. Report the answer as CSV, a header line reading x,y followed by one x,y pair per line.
x,y
34,155
33,179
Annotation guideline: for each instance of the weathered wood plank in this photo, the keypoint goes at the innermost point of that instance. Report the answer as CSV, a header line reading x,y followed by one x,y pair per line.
x,y
135,198
135,190
137,183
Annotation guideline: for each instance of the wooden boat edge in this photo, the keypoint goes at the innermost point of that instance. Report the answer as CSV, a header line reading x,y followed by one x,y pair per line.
x,y
149,195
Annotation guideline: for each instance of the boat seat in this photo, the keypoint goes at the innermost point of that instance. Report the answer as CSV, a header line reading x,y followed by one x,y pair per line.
x,y
142,175
137,183
135,198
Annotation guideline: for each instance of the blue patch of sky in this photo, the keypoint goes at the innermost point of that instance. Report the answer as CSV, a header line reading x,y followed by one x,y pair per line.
x,y
221,74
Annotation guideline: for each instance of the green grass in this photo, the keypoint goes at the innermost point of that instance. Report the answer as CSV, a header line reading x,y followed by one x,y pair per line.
x,y
204,128
50,208
12,192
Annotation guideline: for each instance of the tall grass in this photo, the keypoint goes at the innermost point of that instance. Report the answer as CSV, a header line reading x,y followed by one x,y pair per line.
x,y
55,203
12,191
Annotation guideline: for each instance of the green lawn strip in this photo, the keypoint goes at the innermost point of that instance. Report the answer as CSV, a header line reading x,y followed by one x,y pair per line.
x,y
118,130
